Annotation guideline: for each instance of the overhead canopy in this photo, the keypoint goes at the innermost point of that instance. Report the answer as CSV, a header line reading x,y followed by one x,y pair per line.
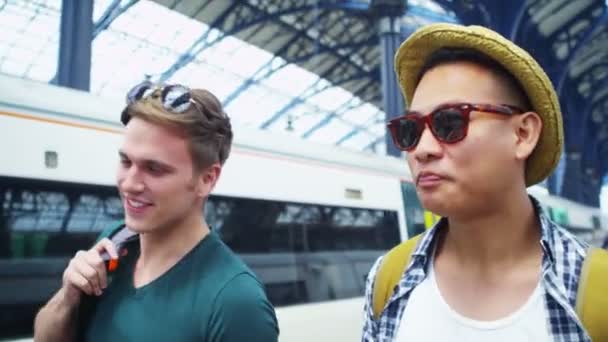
x,y
312,68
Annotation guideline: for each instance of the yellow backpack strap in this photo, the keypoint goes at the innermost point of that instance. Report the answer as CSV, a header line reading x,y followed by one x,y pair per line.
x,y
592,297
390,271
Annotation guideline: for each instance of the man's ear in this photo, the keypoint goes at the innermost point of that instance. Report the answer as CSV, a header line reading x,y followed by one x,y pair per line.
x,y
528,127
207,179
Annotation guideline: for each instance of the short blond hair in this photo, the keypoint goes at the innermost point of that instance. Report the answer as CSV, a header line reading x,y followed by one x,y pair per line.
x,y
205,124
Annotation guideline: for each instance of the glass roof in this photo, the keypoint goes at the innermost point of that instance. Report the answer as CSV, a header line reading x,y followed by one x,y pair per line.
x,y
148,38
29,38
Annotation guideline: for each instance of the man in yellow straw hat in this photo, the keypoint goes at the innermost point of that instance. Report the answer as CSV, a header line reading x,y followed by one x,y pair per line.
x,y
483,123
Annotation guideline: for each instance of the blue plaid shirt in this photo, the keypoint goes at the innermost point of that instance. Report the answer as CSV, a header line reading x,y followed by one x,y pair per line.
x,y
563,257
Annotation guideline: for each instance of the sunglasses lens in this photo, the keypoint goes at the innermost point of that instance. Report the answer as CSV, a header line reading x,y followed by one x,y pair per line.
x,y
449,124
139,91
407,133
176,98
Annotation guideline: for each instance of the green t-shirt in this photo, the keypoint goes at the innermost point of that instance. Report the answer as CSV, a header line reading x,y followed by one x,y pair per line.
x,y
209,295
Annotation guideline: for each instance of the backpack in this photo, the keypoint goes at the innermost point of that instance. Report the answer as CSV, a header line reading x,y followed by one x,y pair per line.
x,y
591,301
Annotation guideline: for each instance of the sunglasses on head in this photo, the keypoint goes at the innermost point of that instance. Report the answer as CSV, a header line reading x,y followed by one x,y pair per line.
x,y
448,123
175,98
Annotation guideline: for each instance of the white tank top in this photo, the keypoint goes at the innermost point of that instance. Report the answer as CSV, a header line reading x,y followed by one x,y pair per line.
x,y
427,317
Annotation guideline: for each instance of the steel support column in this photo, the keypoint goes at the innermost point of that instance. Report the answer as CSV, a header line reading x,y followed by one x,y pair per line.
x,y
76,33
389,29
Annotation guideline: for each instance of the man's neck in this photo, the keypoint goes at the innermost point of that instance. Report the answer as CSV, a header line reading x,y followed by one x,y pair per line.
x,y
487,266
161,250
506,236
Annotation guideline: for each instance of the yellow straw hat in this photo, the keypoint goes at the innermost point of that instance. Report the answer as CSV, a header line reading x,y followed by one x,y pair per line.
x,y
412,55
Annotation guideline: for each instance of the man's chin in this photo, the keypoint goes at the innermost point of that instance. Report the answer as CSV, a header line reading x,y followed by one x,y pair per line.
x,y
136,225
435,204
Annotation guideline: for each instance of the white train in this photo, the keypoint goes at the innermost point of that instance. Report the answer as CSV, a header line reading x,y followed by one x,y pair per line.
x,y
308,219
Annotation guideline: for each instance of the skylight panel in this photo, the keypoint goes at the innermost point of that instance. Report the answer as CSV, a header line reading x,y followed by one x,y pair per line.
x,y
299,119
362,114
254,105
291,80
331,98
358,140
327,134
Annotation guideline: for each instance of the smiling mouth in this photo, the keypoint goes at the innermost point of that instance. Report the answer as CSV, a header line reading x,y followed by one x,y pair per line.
x,y
135,206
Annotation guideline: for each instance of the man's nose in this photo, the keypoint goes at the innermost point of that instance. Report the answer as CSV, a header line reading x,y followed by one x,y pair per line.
x,y
131,180
428,146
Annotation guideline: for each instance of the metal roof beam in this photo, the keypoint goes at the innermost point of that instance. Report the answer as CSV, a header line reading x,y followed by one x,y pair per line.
x,y
351,46
372,145
269,68
426,13
347,136
311,91
273,66
586,117
519,17
592,135
199,45
469,12
114,10
364,7
346,106
577,109
337,113
321,46
359,128
237,24
583,41
220,23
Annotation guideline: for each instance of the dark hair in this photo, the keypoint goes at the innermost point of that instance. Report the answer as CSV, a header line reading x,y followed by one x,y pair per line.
x,y
450,55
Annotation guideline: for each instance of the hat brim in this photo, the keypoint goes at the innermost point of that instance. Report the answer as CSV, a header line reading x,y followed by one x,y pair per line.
x,y
413,53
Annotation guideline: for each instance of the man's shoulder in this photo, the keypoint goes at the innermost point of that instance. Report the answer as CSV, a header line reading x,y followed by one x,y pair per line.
x,y
565,242
240,309
242,312
220,267
225,261
568,254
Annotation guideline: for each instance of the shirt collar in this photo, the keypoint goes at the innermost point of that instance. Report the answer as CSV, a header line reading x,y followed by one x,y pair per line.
x,y
547,240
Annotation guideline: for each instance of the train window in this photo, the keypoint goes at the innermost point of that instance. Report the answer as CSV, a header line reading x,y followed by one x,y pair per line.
x,y
92,213
257,226
36,216
34,211
302,252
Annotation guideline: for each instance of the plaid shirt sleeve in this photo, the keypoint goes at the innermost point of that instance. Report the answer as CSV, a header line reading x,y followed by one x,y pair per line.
x,y
369,325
